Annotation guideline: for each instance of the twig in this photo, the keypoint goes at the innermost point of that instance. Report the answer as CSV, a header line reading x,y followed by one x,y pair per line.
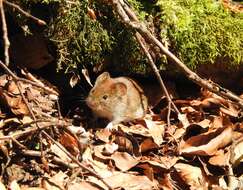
x,y
141,28
15,77
48,136
156,71
75,160
55,158
14,6
49,123
5,34
127,16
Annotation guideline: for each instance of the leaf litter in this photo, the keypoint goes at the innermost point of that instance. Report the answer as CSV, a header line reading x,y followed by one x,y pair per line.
x,y
202,148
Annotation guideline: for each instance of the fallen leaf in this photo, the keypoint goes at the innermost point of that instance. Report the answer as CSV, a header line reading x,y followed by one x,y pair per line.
x,y
74,80
57,151
91,13
14,185
126,181
70,143
82,185
124,161
156,129
237,153
207,143
2,187
220,158
56,182
109,149
191,175
86,76
148,144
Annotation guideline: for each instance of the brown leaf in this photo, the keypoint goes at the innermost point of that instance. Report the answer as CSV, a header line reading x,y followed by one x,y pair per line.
x,y
57,151
231,111
124,161
29,51
220,158
237,156
91,14
82,185
191,175
74,80
16,104
110,148
148,144
207,143
156,129
55,182
157,164
130,181
70,143
14,185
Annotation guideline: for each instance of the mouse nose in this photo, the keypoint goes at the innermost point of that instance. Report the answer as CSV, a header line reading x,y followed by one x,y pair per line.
x,y
90,102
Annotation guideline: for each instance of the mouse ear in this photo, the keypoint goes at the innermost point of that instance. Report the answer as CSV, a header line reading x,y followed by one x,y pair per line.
x,y
102,77
119,88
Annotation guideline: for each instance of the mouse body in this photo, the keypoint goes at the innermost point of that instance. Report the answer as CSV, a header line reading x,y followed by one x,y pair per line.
x,y
117,99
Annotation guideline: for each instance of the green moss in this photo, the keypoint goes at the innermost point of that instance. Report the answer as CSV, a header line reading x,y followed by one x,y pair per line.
x,y
202,31
81,41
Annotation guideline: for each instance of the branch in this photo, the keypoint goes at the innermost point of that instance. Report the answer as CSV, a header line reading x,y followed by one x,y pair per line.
x,y
5,34
120,6
14,6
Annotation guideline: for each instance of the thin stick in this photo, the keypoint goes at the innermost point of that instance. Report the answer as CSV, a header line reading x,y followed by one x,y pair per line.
x,y
156,71
5,34
55,158
14,6
142,29
15,77
75,160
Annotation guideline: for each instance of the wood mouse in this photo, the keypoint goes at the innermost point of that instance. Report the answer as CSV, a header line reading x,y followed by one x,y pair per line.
x,y
117,99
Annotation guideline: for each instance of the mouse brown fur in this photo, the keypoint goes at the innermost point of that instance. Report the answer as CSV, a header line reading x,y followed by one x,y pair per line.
x,y
117,99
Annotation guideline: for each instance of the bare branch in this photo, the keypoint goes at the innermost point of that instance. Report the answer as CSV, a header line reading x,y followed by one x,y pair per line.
x,y
5,33
14,6
120,5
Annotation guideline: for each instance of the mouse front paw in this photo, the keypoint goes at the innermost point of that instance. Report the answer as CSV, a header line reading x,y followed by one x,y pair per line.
x,y
109,126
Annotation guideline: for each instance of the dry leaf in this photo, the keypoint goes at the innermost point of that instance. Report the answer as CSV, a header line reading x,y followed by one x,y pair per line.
x,y
16,104
131,182
148,144
70,143
29,51
191,175
14,185
183,119
91,13
86,76
124,161
82,185
57,151
156,129
56,182
109,149
74,80
237,153
220,158
2,187
207,143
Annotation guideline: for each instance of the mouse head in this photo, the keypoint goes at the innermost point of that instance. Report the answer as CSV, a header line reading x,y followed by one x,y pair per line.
x,y
110,86
106,95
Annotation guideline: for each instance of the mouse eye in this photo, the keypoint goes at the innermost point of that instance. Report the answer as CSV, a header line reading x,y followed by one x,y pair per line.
x,y
105,97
